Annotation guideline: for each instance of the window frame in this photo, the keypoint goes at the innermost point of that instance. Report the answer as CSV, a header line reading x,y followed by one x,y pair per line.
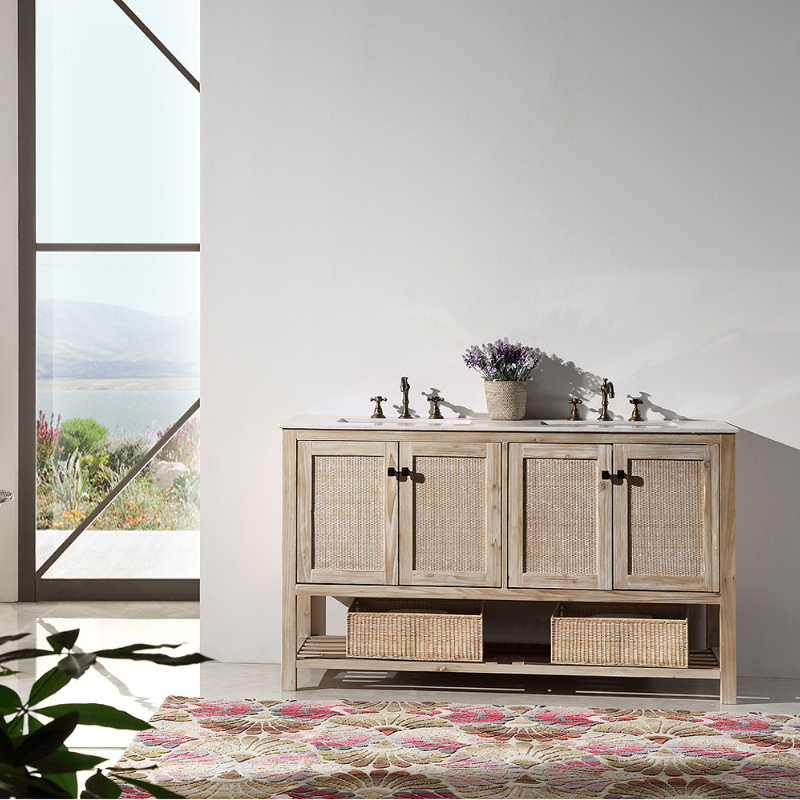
x,y
30,587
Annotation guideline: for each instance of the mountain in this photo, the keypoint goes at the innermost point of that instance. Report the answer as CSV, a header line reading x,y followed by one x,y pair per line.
x,y
75,339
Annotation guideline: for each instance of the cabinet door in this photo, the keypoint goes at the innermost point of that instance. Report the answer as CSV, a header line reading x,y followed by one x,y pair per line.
x,y
666,517
450,522
560,516
346,512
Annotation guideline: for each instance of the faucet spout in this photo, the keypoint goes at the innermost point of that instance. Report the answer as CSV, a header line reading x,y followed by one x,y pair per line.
x,y
404,387
607,390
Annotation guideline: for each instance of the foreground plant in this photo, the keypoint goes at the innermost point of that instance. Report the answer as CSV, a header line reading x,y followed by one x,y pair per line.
x,y
34,761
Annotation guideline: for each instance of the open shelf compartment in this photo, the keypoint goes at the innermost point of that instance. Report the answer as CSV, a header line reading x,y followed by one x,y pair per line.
x,y
329,652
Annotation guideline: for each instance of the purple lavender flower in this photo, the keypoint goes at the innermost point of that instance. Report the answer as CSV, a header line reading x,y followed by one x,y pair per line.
x,y
502,361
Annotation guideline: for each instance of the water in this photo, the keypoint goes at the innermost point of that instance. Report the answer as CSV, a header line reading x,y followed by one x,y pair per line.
x,y
120,410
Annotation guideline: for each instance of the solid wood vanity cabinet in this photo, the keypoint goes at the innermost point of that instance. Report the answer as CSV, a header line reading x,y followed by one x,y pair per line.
x,y
485,510
361,520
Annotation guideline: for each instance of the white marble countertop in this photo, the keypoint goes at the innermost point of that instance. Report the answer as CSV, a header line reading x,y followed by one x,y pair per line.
x,y
519,426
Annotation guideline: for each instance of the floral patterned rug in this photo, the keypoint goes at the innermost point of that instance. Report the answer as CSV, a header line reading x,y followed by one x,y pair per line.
x,y
363,749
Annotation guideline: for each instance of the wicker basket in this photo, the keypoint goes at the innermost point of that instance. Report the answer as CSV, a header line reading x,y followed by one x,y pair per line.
x,y
620,634
506,399
415,630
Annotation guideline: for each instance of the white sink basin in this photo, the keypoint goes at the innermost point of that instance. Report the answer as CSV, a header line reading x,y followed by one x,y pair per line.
x,y
415,422
614,424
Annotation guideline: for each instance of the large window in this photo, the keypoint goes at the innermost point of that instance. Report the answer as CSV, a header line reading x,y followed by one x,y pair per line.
x,y
116,298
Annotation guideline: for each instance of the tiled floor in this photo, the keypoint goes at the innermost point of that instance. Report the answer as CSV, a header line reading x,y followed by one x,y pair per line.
x,y
139,688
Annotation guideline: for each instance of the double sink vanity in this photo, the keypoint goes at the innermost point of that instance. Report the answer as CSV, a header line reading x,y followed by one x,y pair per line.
x,y
536,511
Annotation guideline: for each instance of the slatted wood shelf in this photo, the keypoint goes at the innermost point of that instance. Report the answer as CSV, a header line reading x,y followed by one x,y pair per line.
x,y
329,652
505,593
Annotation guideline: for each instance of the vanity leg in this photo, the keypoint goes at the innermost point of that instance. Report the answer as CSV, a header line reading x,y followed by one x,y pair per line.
x,y
727,537
289,575
727,653
289,646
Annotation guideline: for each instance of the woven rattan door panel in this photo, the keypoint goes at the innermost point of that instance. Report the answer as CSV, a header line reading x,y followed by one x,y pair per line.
x,y
347,513
666,524
450,521
559,522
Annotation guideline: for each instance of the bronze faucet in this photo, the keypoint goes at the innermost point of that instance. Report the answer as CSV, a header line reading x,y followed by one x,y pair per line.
x,y
378,412
575,414
635,416
436,412
608,391
404,387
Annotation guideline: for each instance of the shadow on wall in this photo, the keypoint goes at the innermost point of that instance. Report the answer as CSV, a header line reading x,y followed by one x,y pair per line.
x,y
767,520
767,557
555,381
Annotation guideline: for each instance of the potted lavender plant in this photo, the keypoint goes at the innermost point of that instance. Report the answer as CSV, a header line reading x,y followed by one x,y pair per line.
x,y
506,369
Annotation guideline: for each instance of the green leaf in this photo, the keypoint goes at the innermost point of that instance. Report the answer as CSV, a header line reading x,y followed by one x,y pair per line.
x,y
45,740
97,714
44,787
101,786
161,658
64,760
75,665
68,781
122,652
10,701
64,640
156,791
18,782
14,784
130,769
4,639
14,729
6,749
48,684
16,655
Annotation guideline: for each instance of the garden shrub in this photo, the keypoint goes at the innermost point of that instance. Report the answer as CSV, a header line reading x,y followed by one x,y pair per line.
x,y
184,446
186,487
78,469
47,436
69,485
126,450
100,475
84,434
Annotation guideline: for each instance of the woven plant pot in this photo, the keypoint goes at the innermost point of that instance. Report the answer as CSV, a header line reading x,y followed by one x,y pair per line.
x,y
506,399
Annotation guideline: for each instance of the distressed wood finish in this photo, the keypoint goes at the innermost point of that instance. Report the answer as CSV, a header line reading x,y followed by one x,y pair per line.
x,y
523,437
661,548
727,613
381,566
461,522
289,598
499,552
529,595
570,509
329,653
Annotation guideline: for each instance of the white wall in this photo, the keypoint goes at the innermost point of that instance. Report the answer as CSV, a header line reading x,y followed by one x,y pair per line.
x,y
9,304
387,183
